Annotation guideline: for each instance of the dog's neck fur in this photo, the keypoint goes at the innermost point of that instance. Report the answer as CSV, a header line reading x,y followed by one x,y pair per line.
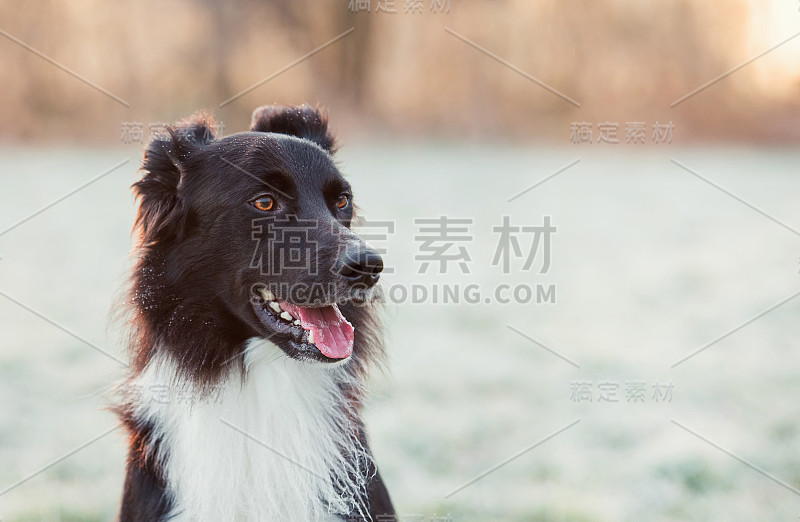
x,y
282,440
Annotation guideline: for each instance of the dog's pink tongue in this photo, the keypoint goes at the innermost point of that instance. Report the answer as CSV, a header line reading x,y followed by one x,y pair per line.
x,y
333,335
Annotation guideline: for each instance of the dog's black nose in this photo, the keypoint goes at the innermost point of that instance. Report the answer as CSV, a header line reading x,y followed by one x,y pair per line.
x,y
360,265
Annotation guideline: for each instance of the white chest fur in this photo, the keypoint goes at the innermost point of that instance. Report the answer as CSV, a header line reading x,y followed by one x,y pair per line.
x,y
275,446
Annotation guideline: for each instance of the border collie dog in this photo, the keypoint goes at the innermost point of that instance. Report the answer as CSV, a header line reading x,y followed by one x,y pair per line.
x,y
252,326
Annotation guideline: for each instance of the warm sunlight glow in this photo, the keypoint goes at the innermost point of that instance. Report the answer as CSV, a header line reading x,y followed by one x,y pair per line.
x,y
772,22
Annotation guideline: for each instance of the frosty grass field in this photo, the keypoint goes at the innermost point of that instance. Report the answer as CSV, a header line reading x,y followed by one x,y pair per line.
x,y
649,263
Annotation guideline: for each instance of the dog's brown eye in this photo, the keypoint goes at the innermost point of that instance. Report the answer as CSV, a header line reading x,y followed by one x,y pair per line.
x,y
264,203
342,201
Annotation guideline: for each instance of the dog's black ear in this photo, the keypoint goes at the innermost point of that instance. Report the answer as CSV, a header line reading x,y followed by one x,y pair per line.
x,y
160,211
302,121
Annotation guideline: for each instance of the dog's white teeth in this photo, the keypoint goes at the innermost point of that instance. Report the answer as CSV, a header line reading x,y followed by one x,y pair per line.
x,y
267,294
286,316
297,322
275,307
311,337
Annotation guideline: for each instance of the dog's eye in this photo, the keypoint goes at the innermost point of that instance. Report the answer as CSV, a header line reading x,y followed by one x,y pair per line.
x,y
264,203
342,201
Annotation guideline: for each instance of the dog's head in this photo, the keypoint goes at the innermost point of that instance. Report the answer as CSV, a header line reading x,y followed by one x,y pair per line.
x,y
249,235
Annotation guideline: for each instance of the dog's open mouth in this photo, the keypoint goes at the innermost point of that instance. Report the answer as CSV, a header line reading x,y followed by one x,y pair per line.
x,y
320,329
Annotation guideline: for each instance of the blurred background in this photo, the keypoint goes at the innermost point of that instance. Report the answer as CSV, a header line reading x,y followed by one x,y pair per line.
x,y
400,73
677,240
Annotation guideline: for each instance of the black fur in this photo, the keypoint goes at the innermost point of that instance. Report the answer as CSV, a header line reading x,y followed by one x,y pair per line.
x,y
303,122
144,494
192,289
